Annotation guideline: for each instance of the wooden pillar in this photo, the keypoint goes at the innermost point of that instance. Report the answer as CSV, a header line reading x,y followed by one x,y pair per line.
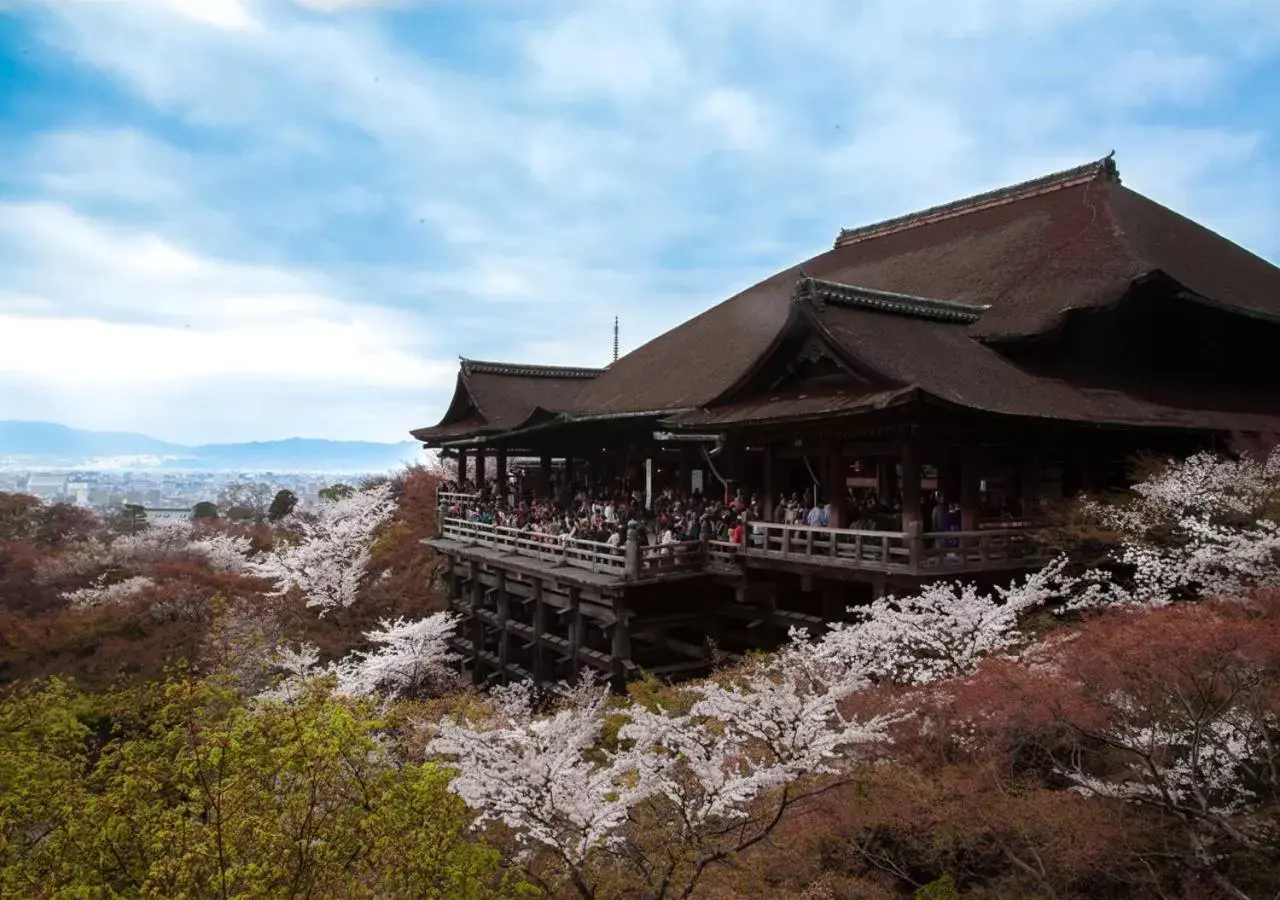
x,y
477,625
621,641
949,478
767,501
835,488
886,479
462,467
575,631
970,485
910,484
504,636
541,662
500,472
1029,485
569,474
480,467
546,475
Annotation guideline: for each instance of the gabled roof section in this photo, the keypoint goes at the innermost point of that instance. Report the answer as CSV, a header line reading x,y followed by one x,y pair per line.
x,y
821,293
492,397
524,370
1029,253
1103,169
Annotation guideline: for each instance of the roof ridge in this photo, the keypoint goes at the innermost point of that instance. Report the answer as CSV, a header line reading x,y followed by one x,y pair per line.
x,y
531,370
822,293
1103,169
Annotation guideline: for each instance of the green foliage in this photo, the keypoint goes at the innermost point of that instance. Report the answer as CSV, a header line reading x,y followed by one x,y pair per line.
x,y
205,510
181,789
281,505
336,492
943,888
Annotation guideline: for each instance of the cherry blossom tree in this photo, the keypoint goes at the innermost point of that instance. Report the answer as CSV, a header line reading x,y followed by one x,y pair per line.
x,y
1204,526
223,552
103,593
328,560
408,659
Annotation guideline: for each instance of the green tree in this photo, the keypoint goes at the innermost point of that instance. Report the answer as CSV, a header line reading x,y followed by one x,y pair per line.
x,y
282,505
134,518
195,793
204,510
336,492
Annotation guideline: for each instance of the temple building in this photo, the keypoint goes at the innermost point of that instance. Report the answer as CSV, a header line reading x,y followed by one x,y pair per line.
x,y
987,357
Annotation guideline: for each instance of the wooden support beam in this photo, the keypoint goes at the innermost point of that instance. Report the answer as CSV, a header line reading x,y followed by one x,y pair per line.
x,y
500,473
886,479
476,623
970,492
480,468
462,466
836,489
767,500
541,662
576,631
911,511
621,641
504,614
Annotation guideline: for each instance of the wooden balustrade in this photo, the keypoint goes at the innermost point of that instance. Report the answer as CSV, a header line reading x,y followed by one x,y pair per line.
x,y
881,551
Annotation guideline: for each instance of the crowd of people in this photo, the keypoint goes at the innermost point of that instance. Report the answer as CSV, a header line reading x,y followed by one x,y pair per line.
x,y
604,516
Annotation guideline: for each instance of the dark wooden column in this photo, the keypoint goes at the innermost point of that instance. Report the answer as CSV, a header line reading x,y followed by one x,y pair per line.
x,y
477,624
621,641
835,488
911,511
575,631
480,467
462,467
1029,485
970,486
886,479
569,473
504,636
541,660
767,501
545,468
500,472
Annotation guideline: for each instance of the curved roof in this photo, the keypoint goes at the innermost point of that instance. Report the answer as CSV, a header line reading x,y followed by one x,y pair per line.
x,y
1029,252
492,397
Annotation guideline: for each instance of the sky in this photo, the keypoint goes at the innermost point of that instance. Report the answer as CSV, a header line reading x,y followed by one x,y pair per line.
x,y
226,220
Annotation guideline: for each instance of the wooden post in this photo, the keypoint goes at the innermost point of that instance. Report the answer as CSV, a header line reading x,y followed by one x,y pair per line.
x,y
633,550
970,485
766,501
575,631
910,484
545,487
621,641
477,625
836,489
480,469
569,474
541,667
462,468
1029,485
886,479
500,473
504,636
915,544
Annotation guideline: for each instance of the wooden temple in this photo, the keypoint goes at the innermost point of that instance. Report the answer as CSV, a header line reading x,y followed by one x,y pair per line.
x,y
998,353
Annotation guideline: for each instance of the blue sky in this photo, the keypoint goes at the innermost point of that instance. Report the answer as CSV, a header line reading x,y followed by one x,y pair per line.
x,y
253,219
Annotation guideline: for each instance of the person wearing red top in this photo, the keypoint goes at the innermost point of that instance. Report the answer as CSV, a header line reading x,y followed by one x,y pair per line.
x,y
736,534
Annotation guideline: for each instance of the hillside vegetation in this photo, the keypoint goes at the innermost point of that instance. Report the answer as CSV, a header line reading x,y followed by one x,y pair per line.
x,y
230,711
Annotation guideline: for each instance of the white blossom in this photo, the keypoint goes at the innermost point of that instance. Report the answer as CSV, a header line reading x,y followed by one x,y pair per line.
x,y
534,774
409,656
101,593
329,560
942,631
223,552
159,543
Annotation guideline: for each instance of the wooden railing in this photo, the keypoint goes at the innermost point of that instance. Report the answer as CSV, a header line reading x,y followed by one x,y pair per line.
x,y
883,551
647,561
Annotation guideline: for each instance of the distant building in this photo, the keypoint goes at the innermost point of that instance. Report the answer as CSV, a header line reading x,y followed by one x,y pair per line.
x,y
168,515
47,487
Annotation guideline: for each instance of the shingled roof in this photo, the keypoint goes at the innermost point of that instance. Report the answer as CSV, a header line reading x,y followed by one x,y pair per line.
x,y
914,348
492,397
1026,253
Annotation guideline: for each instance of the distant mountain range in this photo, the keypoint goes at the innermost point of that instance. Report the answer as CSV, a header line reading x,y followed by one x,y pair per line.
x,y
49,445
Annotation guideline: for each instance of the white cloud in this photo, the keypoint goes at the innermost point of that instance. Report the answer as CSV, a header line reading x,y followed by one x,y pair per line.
x,y
550,165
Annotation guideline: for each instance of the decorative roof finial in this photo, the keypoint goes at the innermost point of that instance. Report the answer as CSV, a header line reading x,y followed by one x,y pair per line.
x,y
615,338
